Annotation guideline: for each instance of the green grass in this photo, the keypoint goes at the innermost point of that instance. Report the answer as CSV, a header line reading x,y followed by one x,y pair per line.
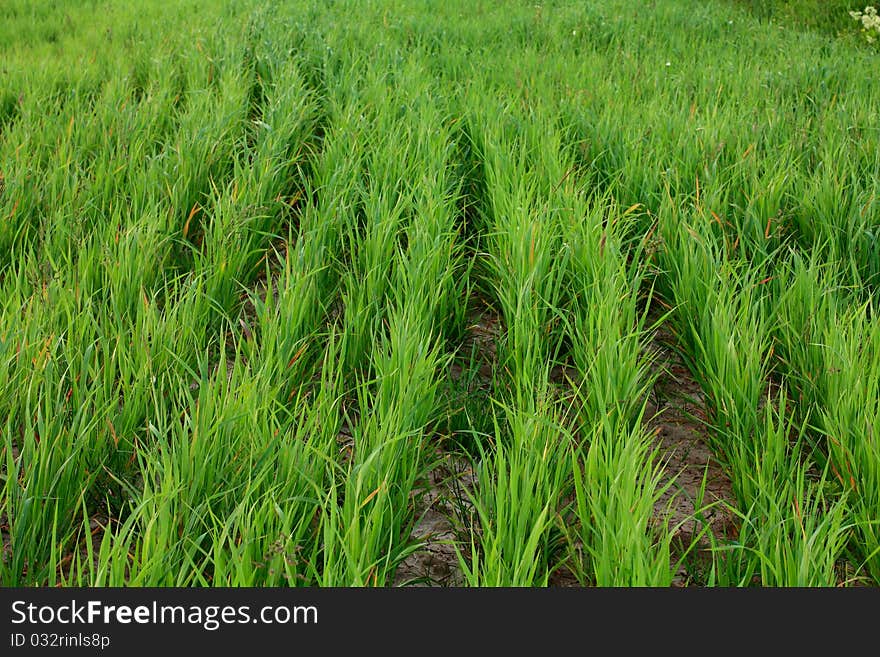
x,y
242,246
830,16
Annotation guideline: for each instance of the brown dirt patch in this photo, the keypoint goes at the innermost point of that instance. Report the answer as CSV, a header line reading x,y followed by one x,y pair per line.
x,y
676,416
436,562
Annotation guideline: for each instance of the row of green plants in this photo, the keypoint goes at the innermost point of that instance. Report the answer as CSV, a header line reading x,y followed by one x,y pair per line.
x,y
567,479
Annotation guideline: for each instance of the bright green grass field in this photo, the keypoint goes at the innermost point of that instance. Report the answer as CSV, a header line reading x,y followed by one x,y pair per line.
x,y
244,244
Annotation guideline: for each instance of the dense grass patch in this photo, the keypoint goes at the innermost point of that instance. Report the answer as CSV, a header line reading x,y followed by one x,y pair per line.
x,y
266,266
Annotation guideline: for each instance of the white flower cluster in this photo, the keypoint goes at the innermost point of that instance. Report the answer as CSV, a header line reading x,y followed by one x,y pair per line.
x,y
870,21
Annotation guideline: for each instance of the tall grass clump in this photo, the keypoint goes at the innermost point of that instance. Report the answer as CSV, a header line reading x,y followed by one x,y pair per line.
x,y
616,470
521,474
723,319
399,295
827,340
